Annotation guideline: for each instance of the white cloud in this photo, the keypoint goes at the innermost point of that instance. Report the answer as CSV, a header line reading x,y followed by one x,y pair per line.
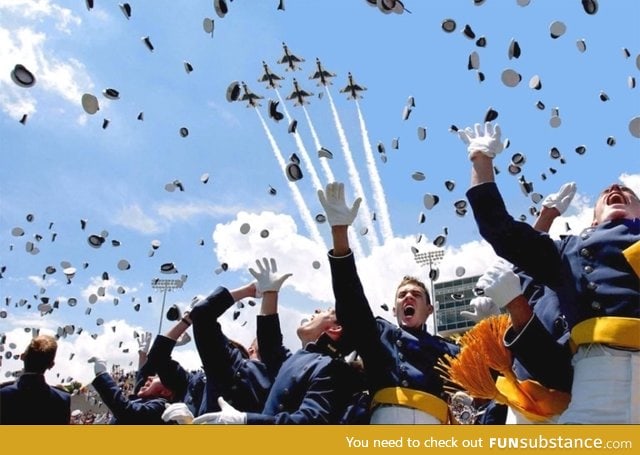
x,y
134,217
62,77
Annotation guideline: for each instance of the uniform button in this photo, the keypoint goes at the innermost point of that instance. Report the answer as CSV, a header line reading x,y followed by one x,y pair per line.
x,y
591,286
238,374
585,253
405,383
585,235
588,269
400,356
595,305
399,343
280,407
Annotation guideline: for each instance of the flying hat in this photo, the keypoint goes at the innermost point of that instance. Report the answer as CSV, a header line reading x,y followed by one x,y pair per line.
x,y
557,29
535,82
90,103
207,25
325,153
168,267
22,76
418,176
430,200
292,126
510,77
126,9
634,127
422,133
514,49
147,42
448,25
490,115
221,8
233,91
245,228
111,93
293,171
590,6
450,185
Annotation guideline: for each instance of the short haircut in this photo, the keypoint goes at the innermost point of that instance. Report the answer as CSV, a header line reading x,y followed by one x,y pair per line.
x,y
408,279
40,354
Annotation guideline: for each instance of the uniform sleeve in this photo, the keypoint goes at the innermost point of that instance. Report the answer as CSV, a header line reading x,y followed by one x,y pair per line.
x,y
273,353
519,243
127,411
324,402
352,307
547,362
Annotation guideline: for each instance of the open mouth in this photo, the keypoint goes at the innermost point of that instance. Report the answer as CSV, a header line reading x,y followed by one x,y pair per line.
x,y
616,198
408,310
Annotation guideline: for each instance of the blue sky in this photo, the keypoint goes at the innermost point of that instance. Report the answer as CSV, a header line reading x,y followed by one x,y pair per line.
x,y
62,166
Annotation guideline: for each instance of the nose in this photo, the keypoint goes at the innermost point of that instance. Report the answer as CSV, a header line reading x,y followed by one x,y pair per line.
x,y
615,187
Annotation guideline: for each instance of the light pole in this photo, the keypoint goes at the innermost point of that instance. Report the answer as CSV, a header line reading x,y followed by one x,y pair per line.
x,y
163,285
432,258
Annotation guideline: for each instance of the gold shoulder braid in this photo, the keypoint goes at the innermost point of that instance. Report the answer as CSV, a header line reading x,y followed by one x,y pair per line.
x,y
482,350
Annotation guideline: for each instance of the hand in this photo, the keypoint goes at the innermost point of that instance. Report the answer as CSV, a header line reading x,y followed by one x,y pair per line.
x,y
144,342
483,307
332,200
266,277
561,200
227,416
99,365
178,412
481,139
500,283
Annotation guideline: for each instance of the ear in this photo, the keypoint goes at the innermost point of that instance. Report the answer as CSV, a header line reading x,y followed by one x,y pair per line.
x,y
335,332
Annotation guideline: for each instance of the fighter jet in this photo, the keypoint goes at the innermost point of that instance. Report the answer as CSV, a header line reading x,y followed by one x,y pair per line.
x,y
298,95
292,61
250,97
270,78
352,89
322,75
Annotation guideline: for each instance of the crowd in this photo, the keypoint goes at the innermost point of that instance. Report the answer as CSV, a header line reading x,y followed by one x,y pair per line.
x,y
557,338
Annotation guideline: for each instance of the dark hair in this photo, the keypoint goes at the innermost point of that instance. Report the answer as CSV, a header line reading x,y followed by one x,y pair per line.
x,y
408,279
40,354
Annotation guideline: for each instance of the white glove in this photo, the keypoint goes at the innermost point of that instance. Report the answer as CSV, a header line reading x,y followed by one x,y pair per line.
x,y
266,276
483,307
99,365
144,342
561,200
482,139
500,283
332,200
227,416
178,412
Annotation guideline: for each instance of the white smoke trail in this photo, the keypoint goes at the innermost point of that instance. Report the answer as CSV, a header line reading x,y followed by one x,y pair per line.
x,y
306,159
316,140
378,192
354,241
354,177
297,196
